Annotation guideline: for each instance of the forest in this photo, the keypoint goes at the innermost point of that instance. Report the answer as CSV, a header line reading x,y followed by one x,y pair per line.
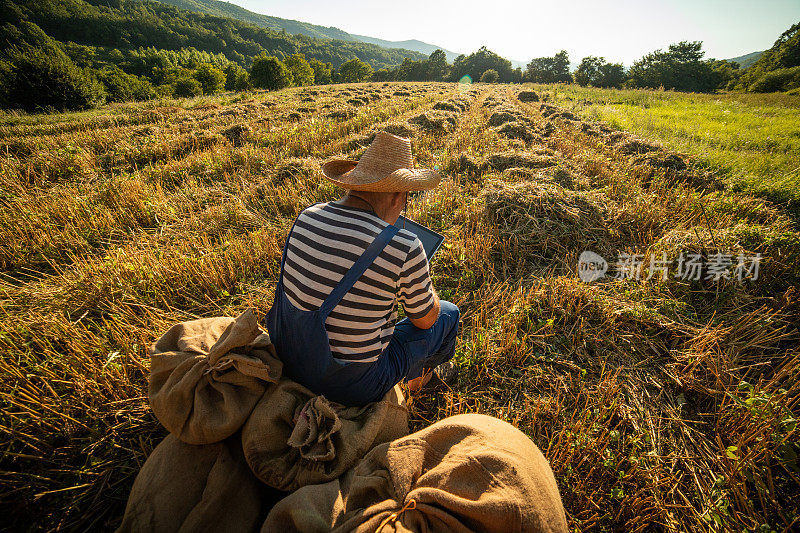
x,y
78,54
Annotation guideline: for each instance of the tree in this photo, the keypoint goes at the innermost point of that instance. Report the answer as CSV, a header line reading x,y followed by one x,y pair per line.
x,y
270,73
475,64
211,79
680,68
354,71
40,79
437,67
302,73
489,76
553,69
186,86
596,71
323,72
123,87
236,78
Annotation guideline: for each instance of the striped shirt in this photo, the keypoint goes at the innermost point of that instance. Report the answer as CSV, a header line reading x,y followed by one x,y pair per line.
x,y
326,241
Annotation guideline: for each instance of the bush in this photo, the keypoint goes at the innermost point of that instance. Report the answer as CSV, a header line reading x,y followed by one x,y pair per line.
x,y
354,71
185,87
211,79
782,79
302,73
323,72
43,79
490,76
270,73
236,78
123,87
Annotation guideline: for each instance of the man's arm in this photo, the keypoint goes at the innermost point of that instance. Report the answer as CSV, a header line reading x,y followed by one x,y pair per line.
x,y
417,295
429,319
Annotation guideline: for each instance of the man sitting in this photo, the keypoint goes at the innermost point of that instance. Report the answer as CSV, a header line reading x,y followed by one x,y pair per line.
x,y
344,268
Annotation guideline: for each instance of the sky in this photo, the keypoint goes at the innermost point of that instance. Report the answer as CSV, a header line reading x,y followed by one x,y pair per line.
x,y
621,31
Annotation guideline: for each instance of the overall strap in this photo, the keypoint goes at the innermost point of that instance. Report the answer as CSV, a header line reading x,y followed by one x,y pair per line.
x,y
359,267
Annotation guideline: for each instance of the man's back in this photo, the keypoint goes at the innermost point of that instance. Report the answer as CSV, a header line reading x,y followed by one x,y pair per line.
x,y
326,241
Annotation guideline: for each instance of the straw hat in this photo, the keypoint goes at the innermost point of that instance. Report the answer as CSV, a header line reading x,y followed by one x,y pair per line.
x,y
386,166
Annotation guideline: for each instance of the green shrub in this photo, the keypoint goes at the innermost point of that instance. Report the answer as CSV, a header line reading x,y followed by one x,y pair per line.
x,y
323,72
354,71
269,72
490,76
302,73
45,79
236,78
123,87
782,79
185,87
211,79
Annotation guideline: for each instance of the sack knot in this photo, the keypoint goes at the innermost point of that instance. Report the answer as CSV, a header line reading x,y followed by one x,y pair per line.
x,y
392,518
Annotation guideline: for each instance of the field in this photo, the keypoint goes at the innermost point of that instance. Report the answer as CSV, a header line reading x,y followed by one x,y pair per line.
x,y
662,403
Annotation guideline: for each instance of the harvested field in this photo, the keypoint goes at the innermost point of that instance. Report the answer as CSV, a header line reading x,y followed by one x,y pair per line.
x,y
663,403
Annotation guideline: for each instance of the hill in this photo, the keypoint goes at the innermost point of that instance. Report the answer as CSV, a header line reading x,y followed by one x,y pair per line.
x,y
776,69
746,60
131,25
295,27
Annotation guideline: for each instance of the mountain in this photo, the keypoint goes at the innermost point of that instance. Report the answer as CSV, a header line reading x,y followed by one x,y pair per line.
x,y
747,59
412,44
229,10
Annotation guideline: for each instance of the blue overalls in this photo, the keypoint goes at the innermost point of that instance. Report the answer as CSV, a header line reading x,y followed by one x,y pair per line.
x,y
302,343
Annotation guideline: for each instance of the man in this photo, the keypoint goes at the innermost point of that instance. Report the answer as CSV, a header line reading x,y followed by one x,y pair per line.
x,y
344,268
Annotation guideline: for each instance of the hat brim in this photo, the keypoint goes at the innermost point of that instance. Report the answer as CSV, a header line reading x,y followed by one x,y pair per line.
x,y
343,172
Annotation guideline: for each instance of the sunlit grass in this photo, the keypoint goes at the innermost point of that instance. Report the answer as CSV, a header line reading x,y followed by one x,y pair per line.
x,y
753,140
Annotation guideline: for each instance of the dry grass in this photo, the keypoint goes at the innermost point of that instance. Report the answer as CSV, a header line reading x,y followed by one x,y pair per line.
x,y
662,405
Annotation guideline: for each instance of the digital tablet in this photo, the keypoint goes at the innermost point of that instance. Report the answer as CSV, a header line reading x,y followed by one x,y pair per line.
x,y
431,241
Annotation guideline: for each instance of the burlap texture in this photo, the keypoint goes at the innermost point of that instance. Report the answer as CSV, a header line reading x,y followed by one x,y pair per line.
x,y
295,438
207,375
188,488
465,473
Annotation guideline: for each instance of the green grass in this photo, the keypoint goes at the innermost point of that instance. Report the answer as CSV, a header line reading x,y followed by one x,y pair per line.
x,y
753,140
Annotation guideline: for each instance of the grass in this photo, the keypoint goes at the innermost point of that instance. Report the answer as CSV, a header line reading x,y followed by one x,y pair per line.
x,y
753,140
661,404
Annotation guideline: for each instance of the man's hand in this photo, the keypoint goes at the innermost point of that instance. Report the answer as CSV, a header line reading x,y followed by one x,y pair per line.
x,y
430,318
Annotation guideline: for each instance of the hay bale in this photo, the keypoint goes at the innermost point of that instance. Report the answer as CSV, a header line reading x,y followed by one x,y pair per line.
x,y
661,160
343,114
518,130
435,121
528,96
548,223
358,101
634,145
566,115
465,164
399,129
402,93
447,106
237,134
504,160
296,169
501,117
307,99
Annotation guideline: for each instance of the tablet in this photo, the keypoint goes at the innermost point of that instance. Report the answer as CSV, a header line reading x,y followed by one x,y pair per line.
x,y
431,241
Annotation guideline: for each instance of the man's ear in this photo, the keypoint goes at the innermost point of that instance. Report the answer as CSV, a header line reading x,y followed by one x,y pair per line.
x,y
397,200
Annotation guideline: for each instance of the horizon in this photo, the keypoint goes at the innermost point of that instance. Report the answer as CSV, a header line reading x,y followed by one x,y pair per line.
x,y
727,29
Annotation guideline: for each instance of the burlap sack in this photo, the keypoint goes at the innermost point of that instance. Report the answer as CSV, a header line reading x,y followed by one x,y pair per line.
x,y
207,375
183,487
294,438
465,473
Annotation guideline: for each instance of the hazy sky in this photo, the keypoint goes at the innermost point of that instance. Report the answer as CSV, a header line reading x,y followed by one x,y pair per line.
x,y
621,31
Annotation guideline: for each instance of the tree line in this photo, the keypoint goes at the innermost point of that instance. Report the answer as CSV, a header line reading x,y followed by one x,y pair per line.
x,y
74,54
